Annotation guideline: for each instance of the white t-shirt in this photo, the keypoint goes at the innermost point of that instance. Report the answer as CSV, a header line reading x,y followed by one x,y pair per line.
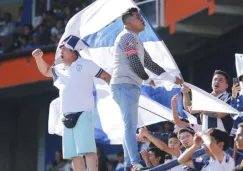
x,y
177,168
75,84
209,164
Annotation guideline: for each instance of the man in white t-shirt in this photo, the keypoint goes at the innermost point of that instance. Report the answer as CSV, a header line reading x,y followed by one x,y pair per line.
x,y
74,79
216,142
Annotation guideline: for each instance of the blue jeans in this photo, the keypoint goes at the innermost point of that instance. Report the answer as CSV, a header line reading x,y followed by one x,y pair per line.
x,y
127,96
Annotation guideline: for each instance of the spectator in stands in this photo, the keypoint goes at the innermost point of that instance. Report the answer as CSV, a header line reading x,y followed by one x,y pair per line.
x,y
153,157
59,164
167,127
185,135
20,19
28,30
120,165
24,43
68,13
48,20
216,142
174,144
239,142
36,41
57,31
223,121
237,103
239,137
8,26
44,34
173,148
180,122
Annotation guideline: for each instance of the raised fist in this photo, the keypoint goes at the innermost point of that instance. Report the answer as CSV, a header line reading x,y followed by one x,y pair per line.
x,y
37,53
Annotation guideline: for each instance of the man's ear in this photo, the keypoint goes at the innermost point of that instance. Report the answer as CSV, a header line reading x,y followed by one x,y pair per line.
x,y
227,85
221,145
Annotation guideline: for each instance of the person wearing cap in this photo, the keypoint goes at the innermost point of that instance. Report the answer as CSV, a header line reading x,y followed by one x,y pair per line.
x,y
74,79
129,60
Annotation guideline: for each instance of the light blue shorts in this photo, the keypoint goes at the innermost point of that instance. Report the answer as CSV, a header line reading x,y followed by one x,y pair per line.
x,y
79,140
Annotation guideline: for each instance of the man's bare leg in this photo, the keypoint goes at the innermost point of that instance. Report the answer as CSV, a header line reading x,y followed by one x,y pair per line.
x,y
78,164
92,161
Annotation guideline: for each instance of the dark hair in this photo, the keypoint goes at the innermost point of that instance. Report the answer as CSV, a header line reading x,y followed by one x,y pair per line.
x,y
188,129
158,153
172,135
168,157
219,136
238,168
226,76
128,14
185,120
29,26
59,151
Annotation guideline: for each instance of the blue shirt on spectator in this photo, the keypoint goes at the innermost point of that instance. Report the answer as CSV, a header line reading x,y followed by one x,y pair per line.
x,y
237,103
25,48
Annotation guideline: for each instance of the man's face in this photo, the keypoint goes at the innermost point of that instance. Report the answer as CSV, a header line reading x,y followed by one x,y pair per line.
x,y
27,30
174,143
239,138
219,84
220,145
68,56
154,160
186,139
137,22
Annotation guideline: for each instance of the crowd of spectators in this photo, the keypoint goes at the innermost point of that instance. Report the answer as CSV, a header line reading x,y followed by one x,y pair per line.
x,y
160,143
17,36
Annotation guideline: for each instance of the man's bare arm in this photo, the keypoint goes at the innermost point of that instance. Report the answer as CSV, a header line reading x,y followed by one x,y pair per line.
x,y
43,67
176,118
105,76
185,158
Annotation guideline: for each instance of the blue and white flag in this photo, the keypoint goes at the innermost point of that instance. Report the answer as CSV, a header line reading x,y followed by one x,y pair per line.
x,y
98,26
239,68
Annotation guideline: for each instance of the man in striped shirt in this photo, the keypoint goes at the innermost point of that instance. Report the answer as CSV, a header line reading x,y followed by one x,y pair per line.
x,y
222,121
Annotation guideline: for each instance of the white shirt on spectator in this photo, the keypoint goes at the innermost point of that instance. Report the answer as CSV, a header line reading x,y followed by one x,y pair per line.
x,y
7,28
179,167
210,164
75,84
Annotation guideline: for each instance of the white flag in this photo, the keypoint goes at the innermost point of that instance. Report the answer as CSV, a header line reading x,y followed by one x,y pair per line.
x,y
202,100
